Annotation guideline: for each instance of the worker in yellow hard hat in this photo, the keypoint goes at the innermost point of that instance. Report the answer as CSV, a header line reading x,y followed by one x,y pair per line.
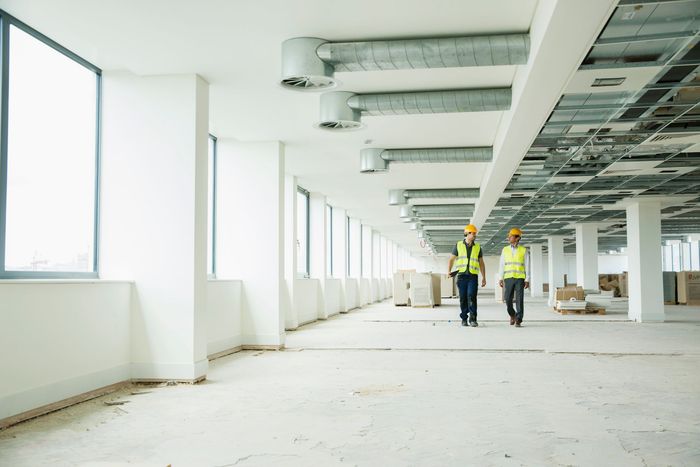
x,y
515,275
469,262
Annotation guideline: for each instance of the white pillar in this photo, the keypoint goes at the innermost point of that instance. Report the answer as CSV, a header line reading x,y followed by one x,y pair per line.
x,y
367,265
291,316
317,248
587,256
355,256
251,235
153,218
645,281
556,265
340,242
536,271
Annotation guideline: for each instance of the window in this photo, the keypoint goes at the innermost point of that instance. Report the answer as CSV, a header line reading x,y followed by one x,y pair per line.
x,y
302,232
49,157
347,244
329,240
211,207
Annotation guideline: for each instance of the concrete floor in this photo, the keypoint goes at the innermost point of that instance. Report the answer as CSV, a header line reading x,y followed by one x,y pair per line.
x,y
397,386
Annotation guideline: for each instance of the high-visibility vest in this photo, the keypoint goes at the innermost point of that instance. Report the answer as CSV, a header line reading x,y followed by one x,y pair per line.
x,y
465,262
514,264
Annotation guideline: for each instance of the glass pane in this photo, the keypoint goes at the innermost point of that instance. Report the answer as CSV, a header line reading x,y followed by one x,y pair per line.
x,y
210,209
329,240
51,159
302,247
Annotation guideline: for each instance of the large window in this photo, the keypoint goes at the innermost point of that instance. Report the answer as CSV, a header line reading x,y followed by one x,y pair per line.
x,y
329,240
211,211
302,232
48,157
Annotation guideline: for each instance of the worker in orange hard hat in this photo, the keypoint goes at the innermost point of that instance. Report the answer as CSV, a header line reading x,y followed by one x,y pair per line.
x,y
515,275
469,262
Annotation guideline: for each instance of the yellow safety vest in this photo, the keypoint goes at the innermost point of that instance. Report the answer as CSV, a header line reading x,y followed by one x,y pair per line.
x,y
514,265
463,261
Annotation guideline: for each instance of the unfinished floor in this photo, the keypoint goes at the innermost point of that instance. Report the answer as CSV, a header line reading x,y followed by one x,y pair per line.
x,y
389,385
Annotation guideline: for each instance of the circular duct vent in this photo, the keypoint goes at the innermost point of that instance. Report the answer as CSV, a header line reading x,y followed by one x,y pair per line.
x,y
340,125
302,69
336,115
308,83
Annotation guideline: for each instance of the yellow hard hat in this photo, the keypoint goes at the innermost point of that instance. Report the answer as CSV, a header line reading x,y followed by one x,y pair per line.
x,y
516,231
470,228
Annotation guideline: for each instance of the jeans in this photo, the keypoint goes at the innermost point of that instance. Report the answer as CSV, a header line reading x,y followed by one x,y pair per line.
x,y
468,286
513,286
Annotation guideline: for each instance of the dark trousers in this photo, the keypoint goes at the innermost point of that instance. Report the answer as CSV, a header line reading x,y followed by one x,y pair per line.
x,y
515,287
468,286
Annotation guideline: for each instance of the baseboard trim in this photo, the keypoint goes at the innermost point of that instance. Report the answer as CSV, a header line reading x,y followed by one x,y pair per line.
x,y
62,404
226,352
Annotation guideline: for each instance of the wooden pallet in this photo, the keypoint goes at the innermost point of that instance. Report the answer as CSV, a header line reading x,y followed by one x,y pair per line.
x,y
587,311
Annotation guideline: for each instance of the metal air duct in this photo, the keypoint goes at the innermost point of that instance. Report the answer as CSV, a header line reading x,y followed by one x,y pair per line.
x,y
377,160
340,107
309,63
399,197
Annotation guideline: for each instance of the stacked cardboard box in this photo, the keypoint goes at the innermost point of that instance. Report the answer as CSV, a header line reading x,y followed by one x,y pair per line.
x,y
616,283
401,284
421,289
569,292
447,286
688,285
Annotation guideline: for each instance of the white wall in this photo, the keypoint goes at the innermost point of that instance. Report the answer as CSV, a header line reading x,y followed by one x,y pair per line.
x,y
352,295
332,297
305,300
153,217
59,339
223,315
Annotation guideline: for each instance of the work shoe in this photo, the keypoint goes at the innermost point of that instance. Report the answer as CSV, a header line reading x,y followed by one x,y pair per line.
x,y
512,320
473,323
465,322
517,324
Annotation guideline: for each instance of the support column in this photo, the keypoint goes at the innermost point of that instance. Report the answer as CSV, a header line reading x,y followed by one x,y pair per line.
x,y
318,252
536,271
291,316
587,256
340,258
367,265
156,129
645,281
556,265
252,192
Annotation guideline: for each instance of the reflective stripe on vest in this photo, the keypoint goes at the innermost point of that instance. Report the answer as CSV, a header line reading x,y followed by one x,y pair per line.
x,y
463,261
514,265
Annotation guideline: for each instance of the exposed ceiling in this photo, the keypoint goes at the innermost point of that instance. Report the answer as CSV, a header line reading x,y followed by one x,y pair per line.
x,y
236,47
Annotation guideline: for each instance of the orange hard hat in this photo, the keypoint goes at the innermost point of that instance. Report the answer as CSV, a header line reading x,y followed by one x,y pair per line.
x,y
470,228
515,231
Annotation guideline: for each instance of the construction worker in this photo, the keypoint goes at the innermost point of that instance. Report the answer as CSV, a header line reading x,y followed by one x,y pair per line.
x,y
514,273
469,262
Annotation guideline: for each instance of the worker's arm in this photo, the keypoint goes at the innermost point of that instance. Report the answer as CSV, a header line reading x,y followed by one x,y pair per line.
x,y
527,269
450,262
482,268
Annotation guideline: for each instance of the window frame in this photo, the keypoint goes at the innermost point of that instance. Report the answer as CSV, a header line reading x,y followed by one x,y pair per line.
x,y
6,21
306,274
213,139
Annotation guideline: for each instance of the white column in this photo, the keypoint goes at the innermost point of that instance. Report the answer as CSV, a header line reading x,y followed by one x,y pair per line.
x,y
556,265
318,251
367,265
587,256
355,249
645,281
251,235
291,316
153,218
536,271
340,241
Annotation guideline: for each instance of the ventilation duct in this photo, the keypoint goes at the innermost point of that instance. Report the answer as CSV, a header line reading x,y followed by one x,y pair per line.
x,y
377,160
436,210
398,197
341,110
309,63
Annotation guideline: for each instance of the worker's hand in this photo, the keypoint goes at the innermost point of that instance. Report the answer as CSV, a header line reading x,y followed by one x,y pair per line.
x,y
483,282
448,275
500,283
527,285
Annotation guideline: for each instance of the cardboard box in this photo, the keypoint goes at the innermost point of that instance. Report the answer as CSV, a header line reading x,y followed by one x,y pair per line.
x,y
447,286
569,292
421,289
401,284
616,283
437,289
688,287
